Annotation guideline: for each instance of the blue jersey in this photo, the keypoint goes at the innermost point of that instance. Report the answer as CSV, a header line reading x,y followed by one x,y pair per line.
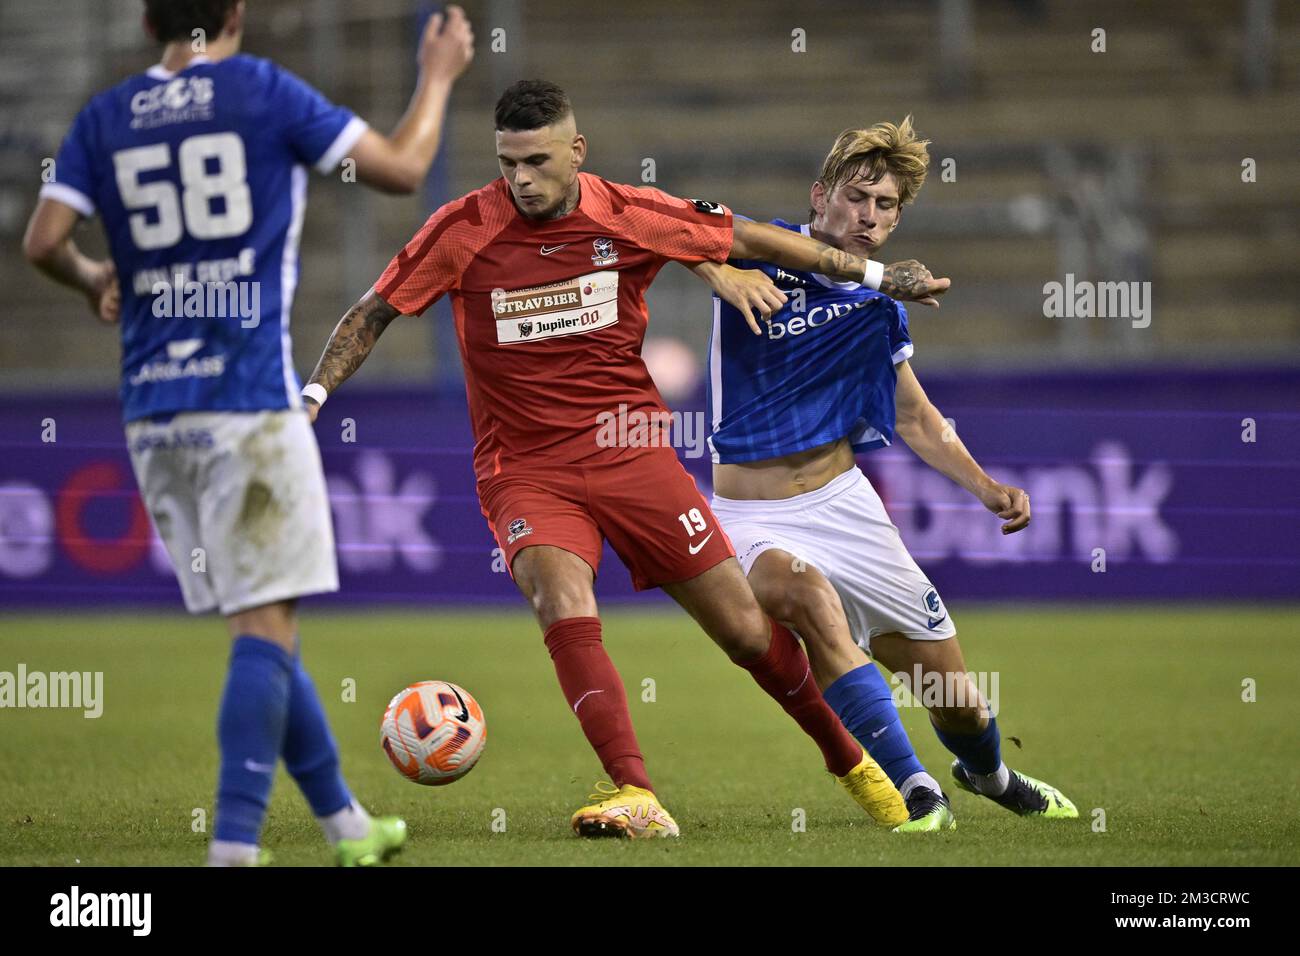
x,y
823,370
200,178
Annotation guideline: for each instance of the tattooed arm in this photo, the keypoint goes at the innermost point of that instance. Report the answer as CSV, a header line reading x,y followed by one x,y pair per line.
x,y
349,344
907,280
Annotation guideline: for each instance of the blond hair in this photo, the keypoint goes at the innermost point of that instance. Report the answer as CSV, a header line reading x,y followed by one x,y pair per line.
x,y
870,153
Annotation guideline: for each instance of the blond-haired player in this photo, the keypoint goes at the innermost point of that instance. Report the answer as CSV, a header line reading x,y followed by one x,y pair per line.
x,y
790,407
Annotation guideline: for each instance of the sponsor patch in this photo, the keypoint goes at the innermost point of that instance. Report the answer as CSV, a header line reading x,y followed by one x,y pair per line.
x,y
184,99
210,366
572,307
172,440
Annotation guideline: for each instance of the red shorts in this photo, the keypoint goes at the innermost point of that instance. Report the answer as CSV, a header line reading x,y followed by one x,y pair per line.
x,y
645,503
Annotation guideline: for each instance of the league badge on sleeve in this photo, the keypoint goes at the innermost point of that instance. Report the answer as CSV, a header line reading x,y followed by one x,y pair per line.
x,y
705,205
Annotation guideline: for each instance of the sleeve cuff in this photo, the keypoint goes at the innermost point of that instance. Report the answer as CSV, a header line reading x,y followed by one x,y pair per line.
x,y
344,141
904,353
73,198
729,240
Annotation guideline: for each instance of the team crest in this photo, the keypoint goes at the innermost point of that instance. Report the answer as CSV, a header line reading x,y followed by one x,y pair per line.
x,y
933,606
605,254
517,529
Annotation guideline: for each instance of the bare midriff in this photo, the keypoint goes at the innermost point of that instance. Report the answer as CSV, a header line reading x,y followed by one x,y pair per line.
x,y
784,477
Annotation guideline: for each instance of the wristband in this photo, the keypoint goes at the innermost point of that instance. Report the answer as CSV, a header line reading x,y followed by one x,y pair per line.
x,y
873,275
316,392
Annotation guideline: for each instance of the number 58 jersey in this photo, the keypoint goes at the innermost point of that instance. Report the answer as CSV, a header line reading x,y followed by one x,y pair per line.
x,y
200,178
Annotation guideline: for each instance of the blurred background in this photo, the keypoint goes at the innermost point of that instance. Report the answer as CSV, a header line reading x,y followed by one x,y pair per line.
x,y
1123,165
1161,149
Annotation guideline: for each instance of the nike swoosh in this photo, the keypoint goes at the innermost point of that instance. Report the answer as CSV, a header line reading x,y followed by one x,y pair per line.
x,y
791,693
256,767
464,711
584,697
695,548
546,251
932,623
877,733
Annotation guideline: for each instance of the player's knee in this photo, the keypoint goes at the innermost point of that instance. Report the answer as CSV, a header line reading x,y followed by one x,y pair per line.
x,y
809,604
557,600
556,585
277,623
780,604
745,636
816,607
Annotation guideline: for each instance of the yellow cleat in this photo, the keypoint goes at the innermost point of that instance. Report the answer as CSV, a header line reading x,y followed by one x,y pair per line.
x,y
625,811
875,793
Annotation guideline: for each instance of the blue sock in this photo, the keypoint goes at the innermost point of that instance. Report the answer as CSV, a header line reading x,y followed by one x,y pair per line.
x,y
309,750
250,731
862,701
978,753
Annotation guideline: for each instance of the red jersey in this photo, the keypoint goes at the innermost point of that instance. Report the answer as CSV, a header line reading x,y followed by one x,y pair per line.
x,y
551,314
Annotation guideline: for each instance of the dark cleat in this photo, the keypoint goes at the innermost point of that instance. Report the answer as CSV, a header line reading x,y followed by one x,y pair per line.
x,y
1024,796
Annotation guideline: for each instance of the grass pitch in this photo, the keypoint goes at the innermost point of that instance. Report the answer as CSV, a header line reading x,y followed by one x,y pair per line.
x,y
1137,713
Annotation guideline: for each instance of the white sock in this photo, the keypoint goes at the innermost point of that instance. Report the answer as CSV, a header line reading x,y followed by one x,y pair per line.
x,y
230,853
921,779
350,823
992,784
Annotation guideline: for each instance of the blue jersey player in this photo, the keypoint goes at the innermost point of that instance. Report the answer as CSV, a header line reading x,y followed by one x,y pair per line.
x,y
829,377
197,169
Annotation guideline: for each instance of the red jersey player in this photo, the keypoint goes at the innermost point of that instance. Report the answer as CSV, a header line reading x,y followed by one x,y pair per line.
x,y
547,269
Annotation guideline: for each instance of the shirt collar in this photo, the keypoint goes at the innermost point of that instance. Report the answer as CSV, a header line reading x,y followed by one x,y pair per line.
x,y
160,72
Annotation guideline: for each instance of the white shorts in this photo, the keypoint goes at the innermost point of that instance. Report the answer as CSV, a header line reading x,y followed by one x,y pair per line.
x,y
247,491
842,530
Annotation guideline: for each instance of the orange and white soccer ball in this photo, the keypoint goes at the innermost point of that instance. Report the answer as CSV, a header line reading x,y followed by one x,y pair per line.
x,y
433,732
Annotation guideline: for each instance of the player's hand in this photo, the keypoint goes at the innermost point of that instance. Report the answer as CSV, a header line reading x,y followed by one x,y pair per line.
x,y
312,409
1007,502
104,294
749,290
447,46
910,281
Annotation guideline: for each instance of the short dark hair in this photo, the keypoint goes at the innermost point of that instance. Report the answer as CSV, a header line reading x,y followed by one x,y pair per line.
x,y
531,104
178,19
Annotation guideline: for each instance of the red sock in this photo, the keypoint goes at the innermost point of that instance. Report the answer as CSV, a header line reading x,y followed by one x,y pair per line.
x,y
785,674
595,694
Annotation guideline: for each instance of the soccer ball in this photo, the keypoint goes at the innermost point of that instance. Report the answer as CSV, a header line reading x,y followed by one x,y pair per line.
x,y
433,732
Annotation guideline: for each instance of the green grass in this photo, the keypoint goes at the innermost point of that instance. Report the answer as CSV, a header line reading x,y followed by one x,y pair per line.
x,y
1135,711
